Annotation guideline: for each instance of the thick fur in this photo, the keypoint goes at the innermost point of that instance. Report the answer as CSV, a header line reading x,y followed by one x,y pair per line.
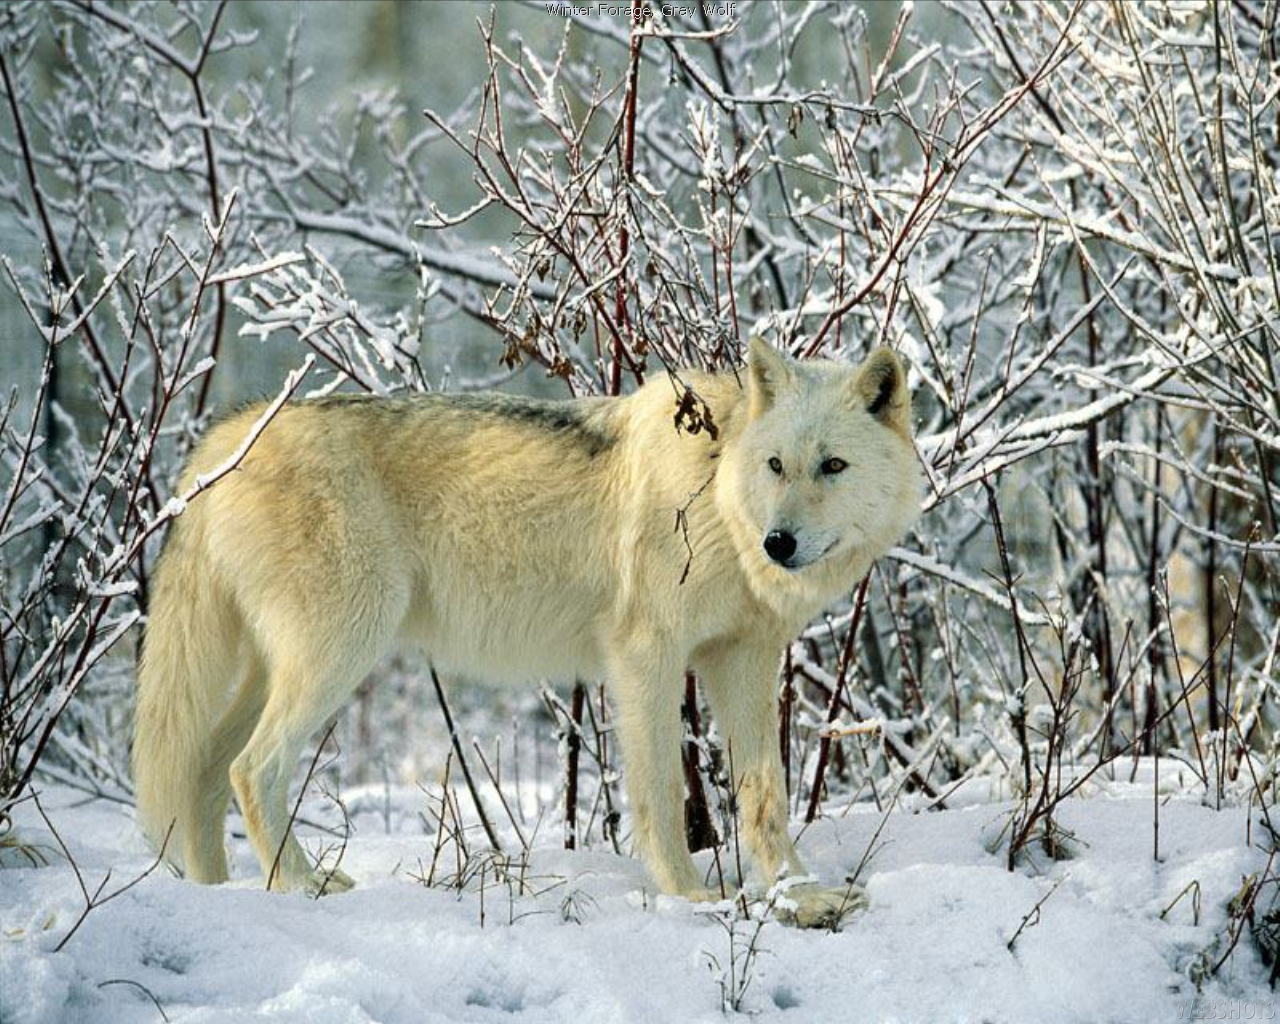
x,y
514,539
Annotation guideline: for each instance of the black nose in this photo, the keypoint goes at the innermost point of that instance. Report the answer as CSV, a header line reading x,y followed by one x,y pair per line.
x,y
779,545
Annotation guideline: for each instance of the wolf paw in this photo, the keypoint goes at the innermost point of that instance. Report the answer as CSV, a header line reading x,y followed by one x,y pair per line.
x,y
324,882
704,895
812,906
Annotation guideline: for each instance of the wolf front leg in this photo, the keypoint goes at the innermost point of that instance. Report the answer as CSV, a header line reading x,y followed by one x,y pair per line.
x,y
646,692
741,681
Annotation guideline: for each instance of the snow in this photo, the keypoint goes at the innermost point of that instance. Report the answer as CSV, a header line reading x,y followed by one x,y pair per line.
x,y
259,268
932,947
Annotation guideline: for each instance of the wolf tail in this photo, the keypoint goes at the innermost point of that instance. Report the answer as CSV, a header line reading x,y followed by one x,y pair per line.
x,y
190,659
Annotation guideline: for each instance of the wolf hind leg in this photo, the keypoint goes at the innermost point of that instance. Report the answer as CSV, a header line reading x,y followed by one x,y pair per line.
x,y
204,850
312,672
299,701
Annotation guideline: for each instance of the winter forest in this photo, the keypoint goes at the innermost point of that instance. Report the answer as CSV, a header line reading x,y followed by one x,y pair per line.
x,y
1042,732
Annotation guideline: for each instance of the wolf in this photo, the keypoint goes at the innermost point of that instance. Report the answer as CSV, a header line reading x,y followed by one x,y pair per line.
x,y
516,539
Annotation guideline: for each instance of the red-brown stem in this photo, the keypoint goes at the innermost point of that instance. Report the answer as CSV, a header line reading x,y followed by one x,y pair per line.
x,y
833,706
784,718
697,816
571,783
621,321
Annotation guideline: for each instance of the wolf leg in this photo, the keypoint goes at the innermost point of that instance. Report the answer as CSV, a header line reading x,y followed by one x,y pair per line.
x,y
312,673
741,683
646,695
300,701
204,854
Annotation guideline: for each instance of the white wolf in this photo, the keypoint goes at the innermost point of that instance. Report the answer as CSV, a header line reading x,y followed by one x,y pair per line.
x,y
515,539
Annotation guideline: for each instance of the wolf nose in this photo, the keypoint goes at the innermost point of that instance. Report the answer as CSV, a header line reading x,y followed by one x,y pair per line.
x,y
779,545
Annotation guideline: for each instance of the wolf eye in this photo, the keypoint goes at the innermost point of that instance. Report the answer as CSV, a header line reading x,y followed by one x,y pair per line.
x,y
833,466
775,464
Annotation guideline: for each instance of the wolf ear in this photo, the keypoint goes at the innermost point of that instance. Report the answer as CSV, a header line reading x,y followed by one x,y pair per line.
x,y
768,373
880,387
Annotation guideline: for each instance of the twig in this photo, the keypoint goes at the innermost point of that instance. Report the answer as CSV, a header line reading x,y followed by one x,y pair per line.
x,y
462,763
297,804
1032,917
96,899
141,988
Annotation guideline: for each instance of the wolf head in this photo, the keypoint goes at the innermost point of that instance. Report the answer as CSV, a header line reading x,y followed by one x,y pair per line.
x,y
823,477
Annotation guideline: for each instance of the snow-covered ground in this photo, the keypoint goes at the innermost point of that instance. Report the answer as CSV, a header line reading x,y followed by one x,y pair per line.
x,y
592,945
